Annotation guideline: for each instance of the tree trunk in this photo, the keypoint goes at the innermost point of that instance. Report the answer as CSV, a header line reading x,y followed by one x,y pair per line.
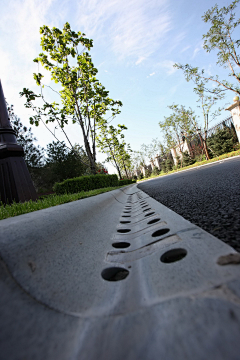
x,y
205,146
91,156
206,150
116,165
125,170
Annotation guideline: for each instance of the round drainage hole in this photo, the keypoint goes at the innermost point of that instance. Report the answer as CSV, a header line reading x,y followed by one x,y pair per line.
x,y
173,255
114,274
160,232
121,245
153,221
125,222
151,213
147,209
123,230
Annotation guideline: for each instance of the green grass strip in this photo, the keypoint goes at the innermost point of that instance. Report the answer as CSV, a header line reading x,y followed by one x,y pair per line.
x,y
199,163
16,209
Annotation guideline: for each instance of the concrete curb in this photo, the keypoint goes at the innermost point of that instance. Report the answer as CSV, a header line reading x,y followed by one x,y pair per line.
x,y
116,276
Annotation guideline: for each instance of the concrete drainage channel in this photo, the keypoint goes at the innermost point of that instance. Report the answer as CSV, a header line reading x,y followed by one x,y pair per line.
x,y
116,276
139,219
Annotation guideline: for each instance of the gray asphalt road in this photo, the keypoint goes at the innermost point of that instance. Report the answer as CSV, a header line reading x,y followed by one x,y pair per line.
x,y
207,196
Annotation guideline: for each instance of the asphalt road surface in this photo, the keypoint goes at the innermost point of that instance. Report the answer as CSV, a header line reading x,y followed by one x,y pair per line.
x,y
207,196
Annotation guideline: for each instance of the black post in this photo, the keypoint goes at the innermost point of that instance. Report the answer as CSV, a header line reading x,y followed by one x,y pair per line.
x,y
15,181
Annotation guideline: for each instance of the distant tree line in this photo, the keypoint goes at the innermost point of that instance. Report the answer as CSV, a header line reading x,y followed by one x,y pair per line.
x,y
55,163
182,124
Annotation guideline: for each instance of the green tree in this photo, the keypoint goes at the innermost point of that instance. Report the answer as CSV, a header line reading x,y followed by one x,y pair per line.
x,y
219,37
169,163
187,160
84,99
180,124
124,158
155,170
163,166
150,151
207,102
33,154
63,164
136,161
110,141
222,141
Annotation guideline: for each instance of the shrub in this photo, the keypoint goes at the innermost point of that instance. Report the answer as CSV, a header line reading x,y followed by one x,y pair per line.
x,y
178,164
102,171
169,164
155,171
140,176
222,142
187,160
147,173
85,183
126,182
163,166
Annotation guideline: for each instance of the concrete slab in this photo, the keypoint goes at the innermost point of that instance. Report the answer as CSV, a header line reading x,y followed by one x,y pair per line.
x,y
68,293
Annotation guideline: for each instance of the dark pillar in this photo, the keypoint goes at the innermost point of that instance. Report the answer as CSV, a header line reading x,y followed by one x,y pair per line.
x,y
15,181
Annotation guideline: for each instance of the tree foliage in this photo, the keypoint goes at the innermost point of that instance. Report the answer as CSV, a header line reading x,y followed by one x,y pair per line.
x,y
222,141
111,142
220,37
33,154
150,151
84,99
155,171
187,159
176,127
63,163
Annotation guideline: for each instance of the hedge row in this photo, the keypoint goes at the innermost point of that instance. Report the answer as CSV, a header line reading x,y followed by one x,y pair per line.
x,y
85,183
126,182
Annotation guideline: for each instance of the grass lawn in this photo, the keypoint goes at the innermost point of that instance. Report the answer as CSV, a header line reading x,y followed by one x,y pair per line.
x,y
47,201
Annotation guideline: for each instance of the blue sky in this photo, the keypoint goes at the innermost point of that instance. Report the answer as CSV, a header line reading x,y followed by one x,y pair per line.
x,y
136,42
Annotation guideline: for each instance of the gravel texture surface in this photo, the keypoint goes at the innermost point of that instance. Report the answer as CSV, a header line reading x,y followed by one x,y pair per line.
x,y
207,196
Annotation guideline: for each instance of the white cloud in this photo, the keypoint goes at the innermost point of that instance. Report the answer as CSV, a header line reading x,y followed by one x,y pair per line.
x,y
208,71
173,90
152,74
101,64
140,60
20,21
133,28
23,20
162,100
175,42
185,49
20,41
196,50
168,66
